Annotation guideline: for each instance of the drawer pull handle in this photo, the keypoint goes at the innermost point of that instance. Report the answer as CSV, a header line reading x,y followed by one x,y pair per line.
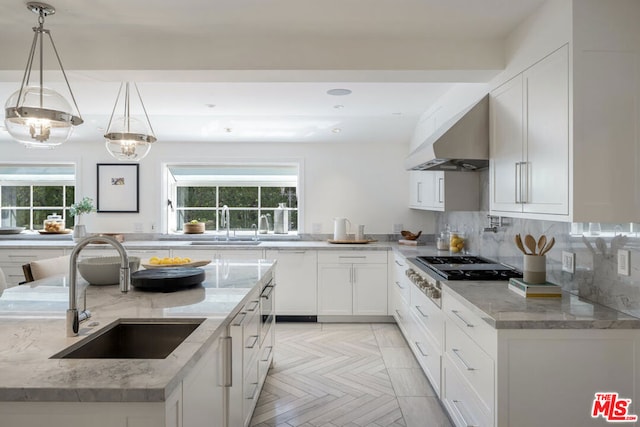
x,y
291,252
255,341
401,265
266,359
399,315
421,313
469,325
254,306
399,285
239,319
458,404
420,349
225,363
352,257
252,395
466,365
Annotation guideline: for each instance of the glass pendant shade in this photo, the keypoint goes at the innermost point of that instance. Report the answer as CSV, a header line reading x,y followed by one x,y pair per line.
x,y
38,126
35,115
129,138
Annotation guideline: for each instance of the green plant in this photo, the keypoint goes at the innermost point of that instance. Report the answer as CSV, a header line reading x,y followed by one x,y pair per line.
x,y
82,207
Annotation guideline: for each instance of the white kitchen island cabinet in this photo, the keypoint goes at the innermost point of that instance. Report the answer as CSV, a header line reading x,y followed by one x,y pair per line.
x,y
191,387
352,283
297,281
529,169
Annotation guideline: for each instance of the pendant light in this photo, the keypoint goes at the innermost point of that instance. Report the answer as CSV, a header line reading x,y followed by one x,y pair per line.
x,y
37,116
129,138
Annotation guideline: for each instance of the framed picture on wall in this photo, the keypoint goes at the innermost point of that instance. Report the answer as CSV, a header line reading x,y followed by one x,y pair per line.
x,y
118,187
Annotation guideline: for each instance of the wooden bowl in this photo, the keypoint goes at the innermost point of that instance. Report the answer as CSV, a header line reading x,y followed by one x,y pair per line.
x,y
191,228
409,235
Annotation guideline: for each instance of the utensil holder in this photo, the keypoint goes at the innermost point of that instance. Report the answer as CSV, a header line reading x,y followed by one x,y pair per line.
x,y
535,269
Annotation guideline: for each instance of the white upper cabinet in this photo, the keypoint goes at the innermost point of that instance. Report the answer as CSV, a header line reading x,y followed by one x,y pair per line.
x,y
529,169
444,191
565,116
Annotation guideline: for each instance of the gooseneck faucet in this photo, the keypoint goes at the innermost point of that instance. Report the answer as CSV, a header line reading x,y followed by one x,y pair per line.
x,y
226,222
73,316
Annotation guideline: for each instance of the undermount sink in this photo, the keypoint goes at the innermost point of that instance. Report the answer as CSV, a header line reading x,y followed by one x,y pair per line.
x,y
226,242
133,339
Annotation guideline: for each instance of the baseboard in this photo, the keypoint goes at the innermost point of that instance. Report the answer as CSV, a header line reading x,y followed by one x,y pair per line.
x,y
356,319
285,318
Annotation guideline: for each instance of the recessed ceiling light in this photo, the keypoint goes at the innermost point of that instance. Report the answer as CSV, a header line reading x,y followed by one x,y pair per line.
x,y
228,130
336,130
210,105
337,107
397,114
339,92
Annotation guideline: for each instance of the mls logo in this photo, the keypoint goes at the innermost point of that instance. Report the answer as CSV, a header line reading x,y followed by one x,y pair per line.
x,y
612,408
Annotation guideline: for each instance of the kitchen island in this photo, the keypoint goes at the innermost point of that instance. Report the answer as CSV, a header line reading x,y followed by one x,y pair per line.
x,y
38,390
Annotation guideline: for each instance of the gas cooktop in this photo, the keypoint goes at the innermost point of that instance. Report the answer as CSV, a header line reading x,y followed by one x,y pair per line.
x,y
467,268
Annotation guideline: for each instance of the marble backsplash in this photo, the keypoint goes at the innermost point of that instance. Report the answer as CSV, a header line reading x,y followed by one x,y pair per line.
x,y
595,277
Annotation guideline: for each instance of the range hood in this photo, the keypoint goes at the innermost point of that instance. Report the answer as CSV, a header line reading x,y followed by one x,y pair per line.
x,y
461,144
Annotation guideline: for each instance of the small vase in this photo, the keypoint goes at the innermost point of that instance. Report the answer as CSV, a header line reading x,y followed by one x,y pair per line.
x,y
79,232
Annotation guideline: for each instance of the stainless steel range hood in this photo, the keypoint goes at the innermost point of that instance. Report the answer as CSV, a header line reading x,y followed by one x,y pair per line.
x,y
460,144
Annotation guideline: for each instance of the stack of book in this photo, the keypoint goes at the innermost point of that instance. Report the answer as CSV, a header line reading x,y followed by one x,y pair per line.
x,y
538,290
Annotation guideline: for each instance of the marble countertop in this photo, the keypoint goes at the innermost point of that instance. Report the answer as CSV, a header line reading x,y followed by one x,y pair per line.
x,y
504,309
32,329
186,244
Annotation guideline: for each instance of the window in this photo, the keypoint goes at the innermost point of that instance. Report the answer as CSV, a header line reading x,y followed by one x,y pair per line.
x,y
199,192
28,193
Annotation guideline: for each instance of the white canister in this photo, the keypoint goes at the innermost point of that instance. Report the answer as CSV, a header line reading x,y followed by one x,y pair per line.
x,y
360,233
340,228
535,269
281,219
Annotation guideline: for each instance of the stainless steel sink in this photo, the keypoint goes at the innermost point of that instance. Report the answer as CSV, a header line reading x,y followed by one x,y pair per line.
x,y
133,339
226,242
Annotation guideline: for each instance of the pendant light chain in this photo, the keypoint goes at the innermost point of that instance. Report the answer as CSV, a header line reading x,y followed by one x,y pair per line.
x,y
144,109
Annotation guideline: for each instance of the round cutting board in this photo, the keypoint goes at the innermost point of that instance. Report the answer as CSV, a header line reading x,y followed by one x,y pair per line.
x,y
167,279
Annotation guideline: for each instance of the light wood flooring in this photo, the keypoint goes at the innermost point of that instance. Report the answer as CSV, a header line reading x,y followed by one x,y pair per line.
x,y
329,375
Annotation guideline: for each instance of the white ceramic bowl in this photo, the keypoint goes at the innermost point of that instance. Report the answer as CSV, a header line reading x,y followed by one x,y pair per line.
x,y
105,270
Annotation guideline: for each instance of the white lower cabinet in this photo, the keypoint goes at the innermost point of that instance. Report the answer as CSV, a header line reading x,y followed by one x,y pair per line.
x,y
352,283
11,261
223,254
204,389
297,281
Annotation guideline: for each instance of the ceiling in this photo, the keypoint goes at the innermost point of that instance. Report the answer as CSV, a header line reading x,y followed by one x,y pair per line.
x,y
256,70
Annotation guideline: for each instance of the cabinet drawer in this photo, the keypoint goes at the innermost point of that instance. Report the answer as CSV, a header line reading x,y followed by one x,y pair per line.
x,y
428,314
23,256
472,325
352,257
400,310
461,403
427,352
472,363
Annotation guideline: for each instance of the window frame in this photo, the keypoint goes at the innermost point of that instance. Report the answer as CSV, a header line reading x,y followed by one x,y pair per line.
x,y
170,214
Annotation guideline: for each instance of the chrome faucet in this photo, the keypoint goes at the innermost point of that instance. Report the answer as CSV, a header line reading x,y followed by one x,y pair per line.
x,y
226,220
73,316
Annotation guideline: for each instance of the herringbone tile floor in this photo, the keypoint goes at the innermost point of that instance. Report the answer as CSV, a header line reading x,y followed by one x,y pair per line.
x,y
353,375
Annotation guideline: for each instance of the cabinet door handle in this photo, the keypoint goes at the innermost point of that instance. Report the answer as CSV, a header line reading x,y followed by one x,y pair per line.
x,y
469,325
420,349
398,263
421,312
399,285
458,404
466,365
524,171
291,252
418,188
399,315
255,341
226,377
352,256
440,190
517,187
355,278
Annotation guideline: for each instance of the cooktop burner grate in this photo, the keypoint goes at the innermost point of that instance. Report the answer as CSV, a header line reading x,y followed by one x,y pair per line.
x,y
467,268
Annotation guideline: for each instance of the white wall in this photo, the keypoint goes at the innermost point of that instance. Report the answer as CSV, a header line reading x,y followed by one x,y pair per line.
x,y
364,183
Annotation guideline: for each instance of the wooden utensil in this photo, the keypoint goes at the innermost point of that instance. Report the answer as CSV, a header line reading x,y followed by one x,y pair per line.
x,y
542,241
530,243
549,246
519,244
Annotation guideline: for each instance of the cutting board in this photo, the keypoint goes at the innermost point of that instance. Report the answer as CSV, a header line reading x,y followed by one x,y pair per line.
x,y
167,279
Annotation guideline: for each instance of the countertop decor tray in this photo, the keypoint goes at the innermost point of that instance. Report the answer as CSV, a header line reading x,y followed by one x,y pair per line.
x,y
167,279
67,231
